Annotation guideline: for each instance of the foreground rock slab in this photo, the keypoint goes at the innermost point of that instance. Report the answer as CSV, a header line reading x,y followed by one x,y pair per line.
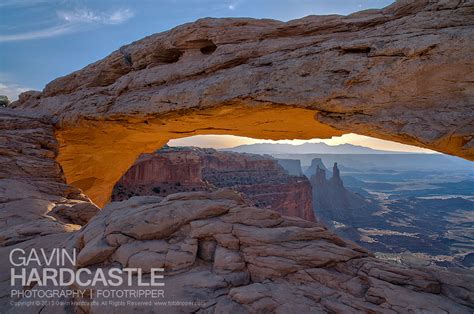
x,y
221,255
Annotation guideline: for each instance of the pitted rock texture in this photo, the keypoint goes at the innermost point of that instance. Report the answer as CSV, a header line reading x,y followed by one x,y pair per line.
x,y
233,258
262,179
402,73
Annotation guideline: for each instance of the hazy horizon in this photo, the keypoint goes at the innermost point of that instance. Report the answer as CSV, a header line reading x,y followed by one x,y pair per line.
x,y
230,141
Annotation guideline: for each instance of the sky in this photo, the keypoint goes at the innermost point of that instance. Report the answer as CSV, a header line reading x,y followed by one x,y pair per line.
x,y
227,141
41,40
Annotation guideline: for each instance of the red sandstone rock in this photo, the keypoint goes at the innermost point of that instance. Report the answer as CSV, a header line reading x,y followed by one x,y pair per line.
x,y
260,178
401,73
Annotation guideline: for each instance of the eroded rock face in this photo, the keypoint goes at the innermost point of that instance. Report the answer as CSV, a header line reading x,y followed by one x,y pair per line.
x,y
34,198
231,257
332,201
184,169
403,73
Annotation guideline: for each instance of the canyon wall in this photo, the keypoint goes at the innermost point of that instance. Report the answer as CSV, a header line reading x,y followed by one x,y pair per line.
x,y
315,164
293,166
34,198
186,169
214,246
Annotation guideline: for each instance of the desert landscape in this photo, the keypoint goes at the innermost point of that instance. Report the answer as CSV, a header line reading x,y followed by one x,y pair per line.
x,y
413,208
87,166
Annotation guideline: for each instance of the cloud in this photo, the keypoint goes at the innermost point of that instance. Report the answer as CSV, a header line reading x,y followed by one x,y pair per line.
x,y
12,90
44,33
233,5
23,3
73,21
89,16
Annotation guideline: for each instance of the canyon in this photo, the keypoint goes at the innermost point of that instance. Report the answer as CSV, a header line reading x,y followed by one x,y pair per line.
x,y
402,73
261,179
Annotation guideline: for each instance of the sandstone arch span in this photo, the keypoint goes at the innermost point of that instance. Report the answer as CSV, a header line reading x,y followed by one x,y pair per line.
x,y
120,144
403,73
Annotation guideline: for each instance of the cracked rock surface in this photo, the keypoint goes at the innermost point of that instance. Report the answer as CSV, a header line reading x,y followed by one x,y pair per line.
x,y
32,187
228,257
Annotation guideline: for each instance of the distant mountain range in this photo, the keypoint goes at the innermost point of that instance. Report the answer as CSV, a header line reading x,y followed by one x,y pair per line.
x,y
306,148
353,157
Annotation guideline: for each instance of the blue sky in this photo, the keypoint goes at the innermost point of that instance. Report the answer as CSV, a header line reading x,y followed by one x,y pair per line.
x,y
44,39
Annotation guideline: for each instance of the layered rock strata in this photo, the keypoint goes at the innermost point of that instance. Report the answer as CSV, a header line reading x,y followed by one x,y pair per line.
x,y
34,198
183,169
216,249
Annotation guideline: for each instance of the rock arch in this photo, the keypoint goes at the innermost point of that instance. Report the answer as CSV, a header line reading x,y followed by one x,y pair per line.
x,y
403,73
109,149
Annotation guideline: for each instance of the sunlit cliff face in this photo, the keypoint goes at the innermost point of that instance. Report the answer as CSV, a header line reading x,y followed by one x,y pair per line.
x,y
95,154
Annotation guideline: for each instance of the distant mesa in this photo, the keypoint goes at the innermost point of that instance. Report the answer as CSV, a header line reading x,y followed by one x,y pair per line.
x,y
293,166
350,157
319,76
265,182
